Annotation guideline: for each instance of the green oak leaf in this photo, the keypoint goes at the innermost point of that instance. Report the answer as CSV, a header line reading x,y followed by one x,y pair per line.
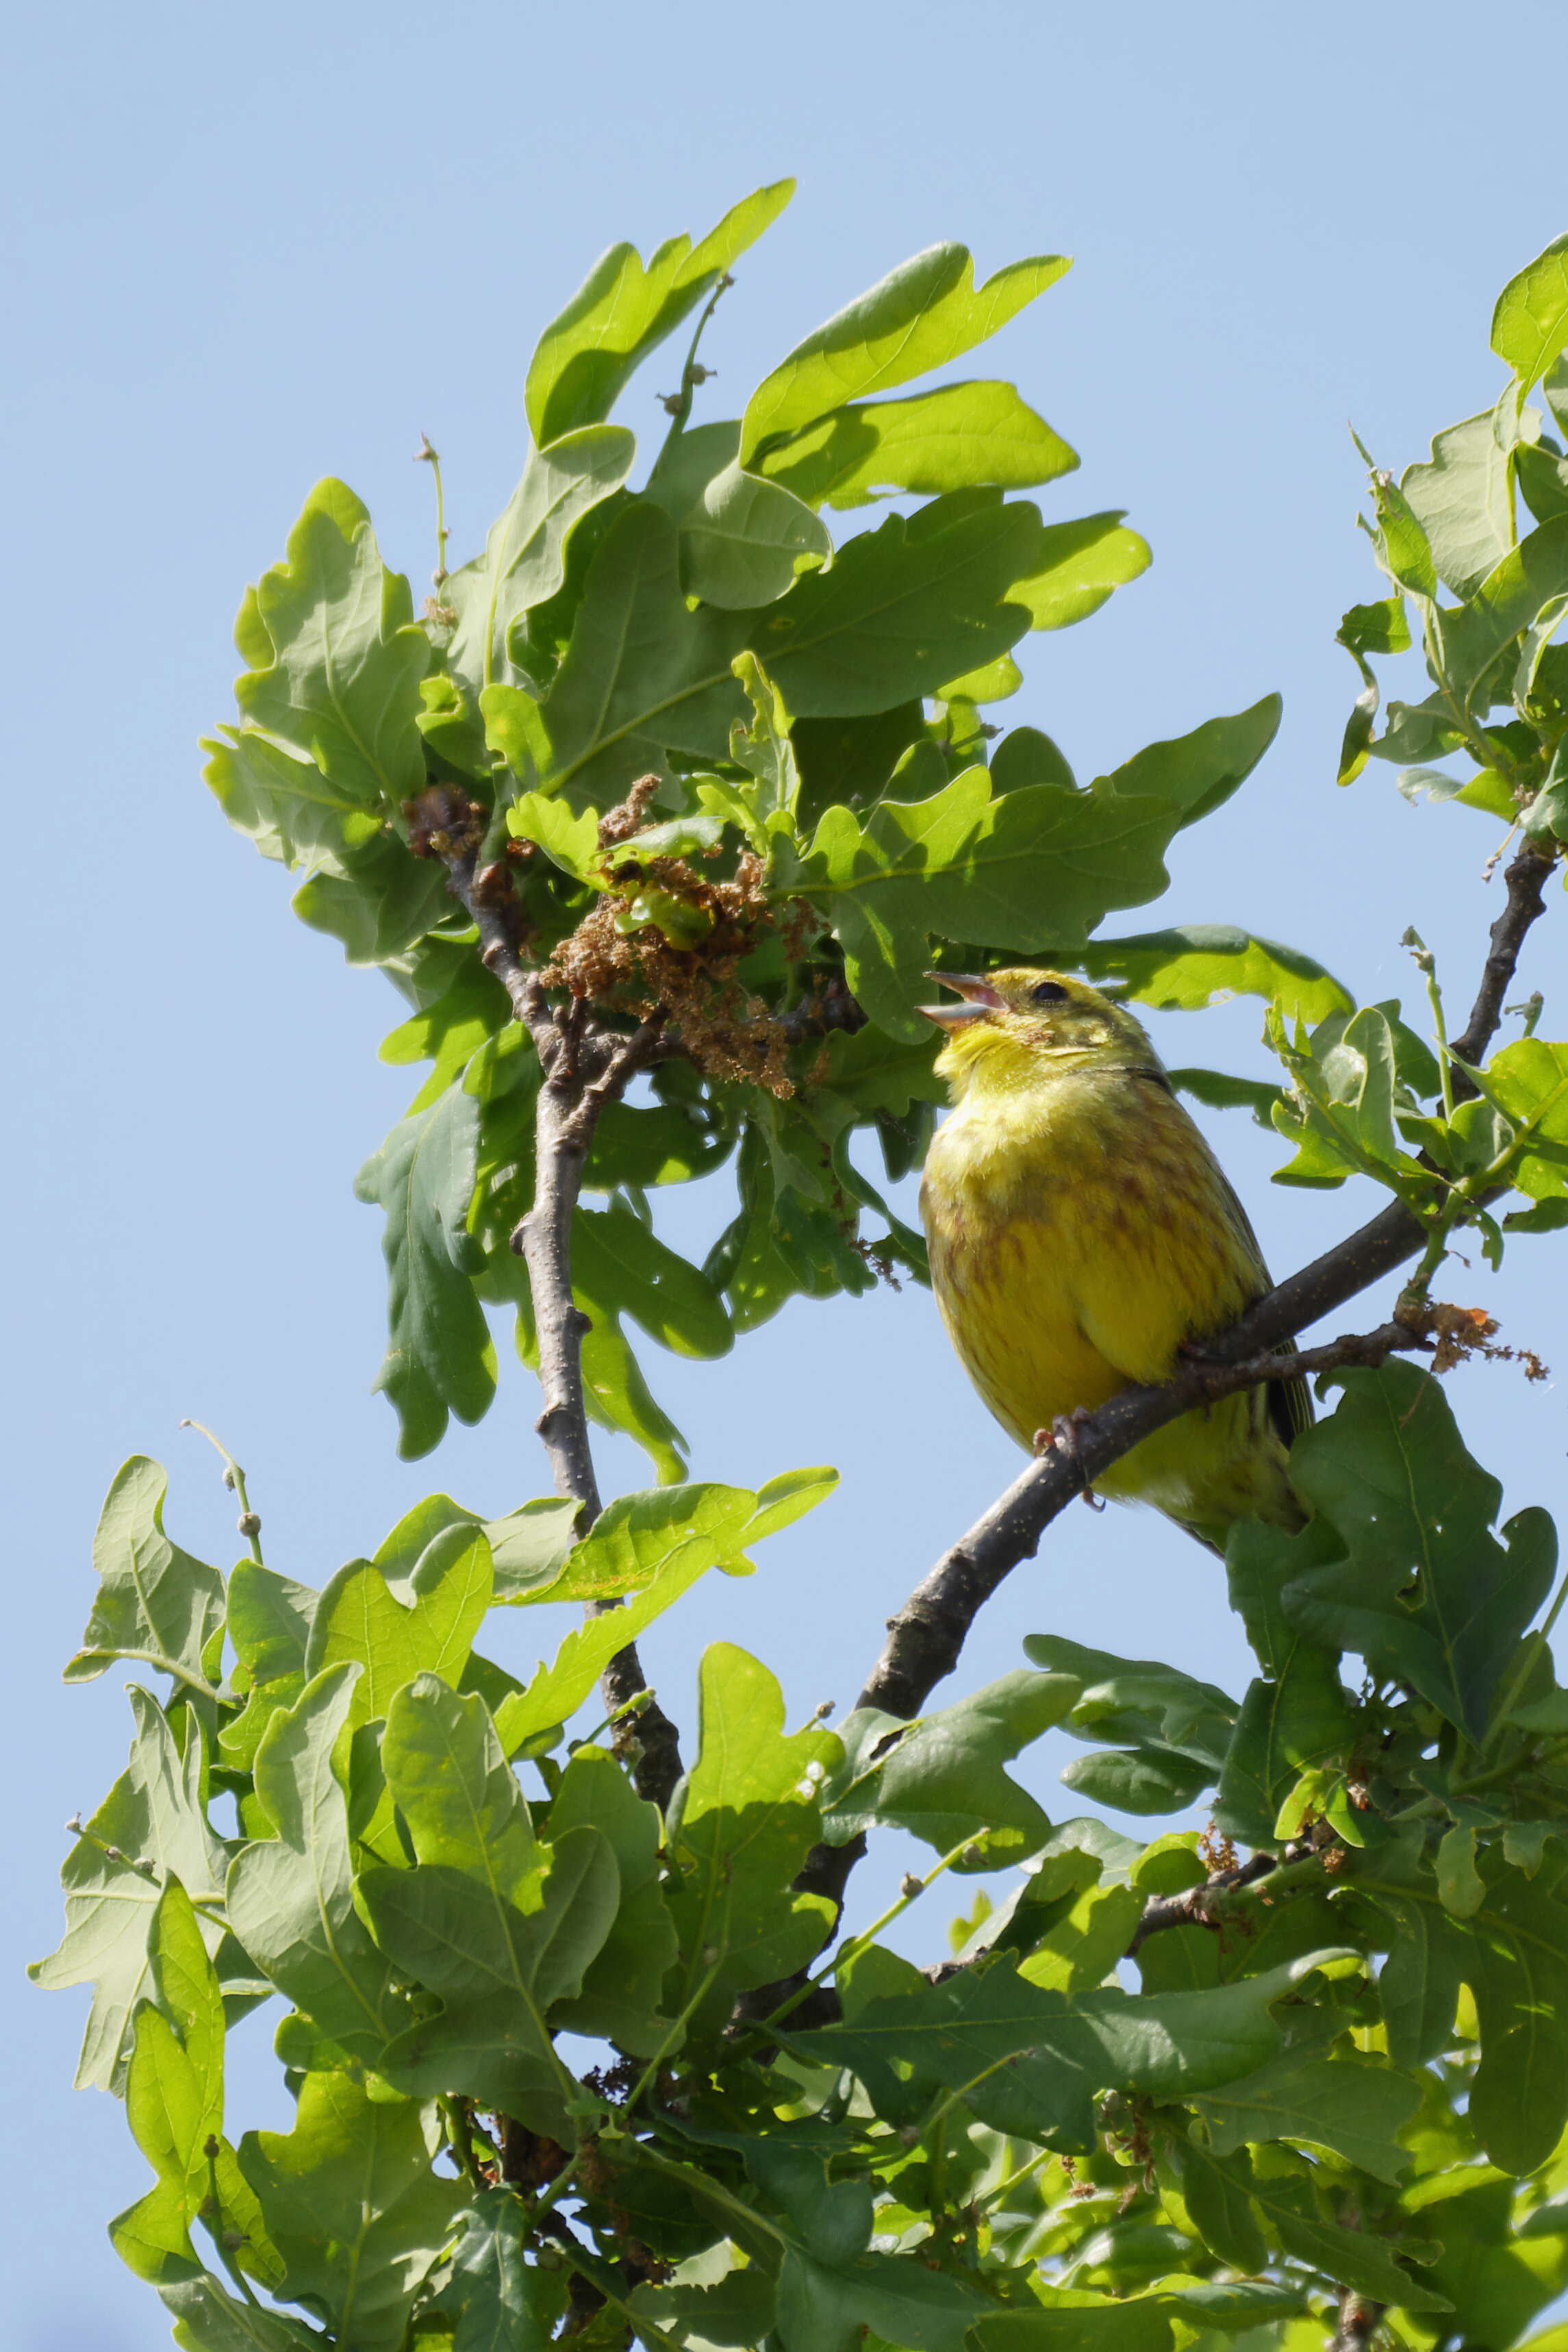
x,y
449,1029
743,539
921,315
502,2302
378,900
497,1966
1369,2265
270,1619
359,1620
533,1716
741,1825
639,1537
1139,1700
339,682
173,2104
1201,771
941,1777
1463,497
1192,965
1530,581
208,2318
1351,2105
290,1896
1076,566
283,801
1079,2323
901,611
440,1357
1528,1080
1009,871
1031,2061
1530,324
620,1267
153,1813
1422,1589
357,2216
154,1603
622,311
1295,1717
525,562
621,1984
962,436
450,1781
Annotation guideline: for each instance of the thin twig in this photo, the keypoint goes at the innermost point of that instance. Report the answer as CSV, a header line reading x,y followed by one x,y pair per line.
x,y
1197,1906
1526,879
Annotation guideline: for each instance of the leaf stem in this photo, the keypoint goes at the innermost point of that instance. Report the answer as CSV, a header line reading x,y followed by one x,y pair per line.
x,y
462,2139
1426,962
430,456
677,2028
1016,2179
215,2229
849,1950
691,376
234,1479
702,2186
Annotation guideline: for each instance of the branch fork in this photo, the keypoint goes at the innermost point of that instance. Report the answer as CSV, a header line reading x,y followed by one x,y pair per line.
x,y
584,1066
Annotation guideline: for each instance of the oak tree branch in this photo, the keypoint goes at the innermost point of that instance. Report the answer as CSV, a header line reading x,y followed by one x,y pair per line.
x,y
584,1065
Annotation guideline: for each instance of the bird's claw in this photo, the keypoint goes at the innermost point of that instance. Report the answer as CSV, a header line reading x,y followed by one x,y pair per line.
x,y
1067,1432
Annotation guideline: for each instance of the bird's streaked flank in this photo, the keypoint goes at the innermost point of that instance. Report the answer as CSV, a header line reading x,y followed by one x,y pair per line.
x,y
1083,1234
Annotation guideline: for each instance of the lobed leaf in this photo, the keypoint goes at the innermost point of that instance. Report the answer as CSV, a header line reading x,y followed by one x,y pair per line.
x,y
290,1896
359,1622
155,1603
343,655
440,1358
960,437
154,1813
1389,1472
353,2207
622,311
741,1825
1076,566
921,315
941,1777
525,562
1041,863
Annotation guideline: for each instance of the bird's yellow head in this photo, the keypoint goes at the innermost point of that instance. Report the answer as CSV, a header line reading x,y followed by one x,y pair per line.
x,y
1022,1027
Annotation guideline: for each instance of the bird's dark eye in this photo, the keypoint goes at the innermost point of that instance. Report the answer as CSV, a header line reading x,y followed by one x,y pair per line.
x,y
1049,991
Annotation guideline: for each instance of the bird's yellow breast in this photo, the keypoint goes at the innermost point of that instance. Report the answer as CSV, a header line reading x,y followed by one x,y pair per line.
x,y
1080,1230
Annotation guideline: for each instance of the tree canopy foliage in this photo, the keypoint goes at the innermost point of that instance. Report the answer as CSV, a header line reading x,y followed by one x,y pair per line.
x,y
654,816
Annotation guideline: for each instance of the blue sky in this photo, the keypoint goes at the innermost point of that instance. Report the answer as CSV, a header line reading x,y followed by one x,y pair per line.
x,y
244,251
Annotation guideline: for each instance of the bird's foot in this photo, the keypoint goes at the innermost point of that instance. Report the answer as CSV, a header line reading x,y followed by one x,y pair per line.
x,y
1065,1432
1194,1352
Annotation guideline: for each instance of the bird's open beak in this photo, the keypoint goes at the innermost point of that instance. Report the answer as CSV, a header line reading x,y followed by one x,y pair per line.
x,y
979,999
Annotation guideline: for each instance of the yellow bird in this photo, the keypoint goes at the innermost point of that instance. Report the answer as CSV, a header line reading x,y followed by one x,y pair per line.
x,y
1081,1232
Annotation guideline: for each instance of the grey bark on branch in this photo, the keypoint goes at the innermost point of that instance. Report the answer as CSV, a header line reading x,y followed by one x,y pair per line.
x,y
583,1065
1526,881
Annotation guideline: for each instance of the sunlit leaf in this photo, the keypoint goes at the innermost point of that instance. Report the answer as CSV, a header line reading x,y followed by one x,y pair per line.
x,y
921,316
